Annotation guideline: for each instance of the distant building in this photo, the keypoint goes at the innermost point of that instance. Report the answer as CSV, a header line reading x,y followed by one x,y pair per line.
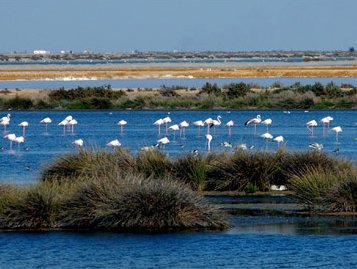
x,y
41,52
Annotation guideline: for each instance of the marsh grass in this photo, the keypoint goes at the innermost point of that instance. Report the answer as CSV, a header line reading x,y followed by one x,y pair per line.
x,y
89,162
191,170
135,203
153,163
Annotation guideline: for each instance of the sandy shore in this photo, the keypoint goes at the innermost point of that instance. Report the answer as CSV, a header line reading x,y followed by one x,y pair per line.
x,y
179,70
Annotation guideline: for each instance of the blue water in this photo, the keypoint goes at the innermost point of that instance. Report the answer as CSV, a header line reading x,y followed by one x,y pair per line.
x,y
97,128
252,242
207,250
186,82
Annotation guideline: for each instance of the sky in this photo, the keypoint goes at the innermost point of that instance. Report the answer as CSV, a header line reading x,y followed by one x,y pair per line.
x,y
182,25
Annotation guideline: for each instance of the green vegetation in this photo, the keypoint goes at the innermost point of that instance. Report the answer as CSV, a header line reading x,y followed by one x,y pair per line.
x,y
209,96
149,192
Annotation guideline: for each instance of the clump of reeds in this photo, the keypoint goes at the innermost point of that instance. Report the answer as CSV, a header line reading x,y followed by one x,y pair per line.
x,y
88,162
234,172
192,170
153,163
134,203
34,207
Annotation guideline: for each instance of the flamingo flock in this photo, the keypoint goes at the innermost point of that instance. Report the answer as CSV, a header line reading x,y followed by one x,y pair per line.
x,y
69,122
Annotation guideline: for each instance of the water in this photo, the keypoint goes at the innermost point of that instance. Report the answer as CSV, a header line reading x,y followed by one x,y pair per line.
x,y
158,82
97,128
258,241
201,250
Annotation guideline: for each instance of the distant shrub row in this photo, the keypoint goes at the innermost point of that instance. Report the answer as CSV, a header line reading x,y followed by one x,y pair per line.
x,y
209,96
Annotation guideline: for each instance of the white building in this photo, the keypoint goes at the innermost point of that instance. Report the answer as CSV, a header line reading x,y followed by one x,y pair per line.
x,y
41,52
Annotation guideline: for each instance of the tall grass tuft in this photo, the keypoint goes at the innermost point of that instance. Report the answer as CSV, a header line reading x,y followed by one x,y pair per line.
x,y
312,186
32,208
342,197
89,162
153,163
236,171
191,170
133,203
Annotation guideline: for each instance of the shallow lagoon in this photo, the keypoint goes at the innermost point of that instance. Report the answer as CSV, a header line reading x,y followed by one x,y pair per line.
x,y
97,128
256,240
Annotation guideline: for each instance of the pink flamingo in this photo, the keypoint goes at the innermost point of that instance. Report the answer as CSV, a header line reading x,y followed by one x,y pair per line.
x,y
174,128
11,138
24,124
254,121
199,124
310,126
230,124
183,125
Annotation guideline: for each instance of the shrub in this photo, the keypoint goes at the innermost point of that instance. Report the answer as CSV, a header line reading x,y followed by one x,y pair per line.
x,y
133,203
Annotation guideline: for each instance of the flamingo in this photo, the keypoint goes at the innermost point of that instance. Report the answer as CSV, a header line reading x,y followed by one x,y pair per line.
x,y
209,123
267,136
199,124
208,139
166,120
158,123
78,142
326,121
162,142
183,125
5,122
71,123
267,122
11,138
230,124
64,124
337,130
278,139
254,121
216,123
316,146
121,123
46,121
114,143
19,140
310,126
24,124
175,128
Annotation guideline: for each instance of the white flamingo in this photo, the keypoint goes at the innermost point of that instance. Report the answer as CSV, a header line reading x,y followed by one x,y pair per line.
x,y
208,139
121,123
216,122
63,123
310,126
46,121
199,124
174,128
78,142
279,139
114,143
162,142
183,125
19,140
209,123
337,130
166,120
267,122
230,124
11,138
158,123
24,124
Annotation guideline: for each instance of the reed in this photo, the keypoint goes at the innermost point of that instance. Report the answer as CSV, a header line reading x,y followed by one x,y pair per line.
x,y
133,203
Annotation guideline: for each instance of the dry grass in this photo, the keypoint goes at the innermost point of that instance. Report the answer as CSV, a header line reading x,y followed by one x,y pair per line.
x,y
112,73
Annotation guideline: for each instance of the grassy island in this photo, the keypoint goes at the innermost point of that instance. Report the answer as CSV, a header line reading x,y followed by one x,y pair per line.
x,y
149,192
209,96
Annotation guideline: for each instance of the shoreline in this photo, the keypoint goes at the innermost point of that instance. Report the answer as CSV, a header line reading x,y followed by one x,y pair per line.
x,y
177,70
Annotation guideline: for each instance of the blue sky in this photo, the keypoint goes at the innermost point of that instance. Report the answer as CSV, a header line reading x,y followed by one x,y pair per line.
x,y
183,25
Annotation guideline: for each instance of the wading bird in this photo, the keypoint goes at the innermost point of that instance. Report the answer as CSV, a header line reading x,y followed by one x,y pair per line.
x,y
230,124
254,121
337,130
46,121
121,123
208,139
310,126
